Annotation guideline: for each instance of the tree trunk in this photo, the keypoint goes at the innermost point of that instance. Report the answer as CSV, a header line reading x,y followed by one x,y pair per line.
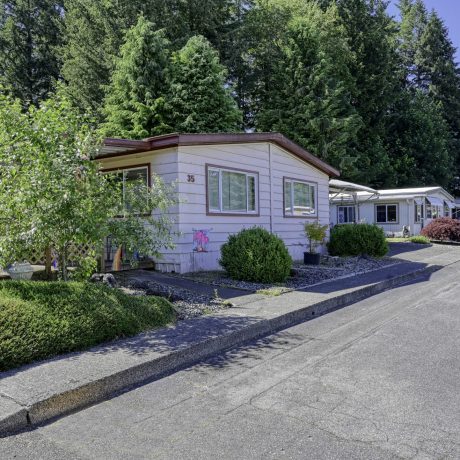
x,y
63,263
48,263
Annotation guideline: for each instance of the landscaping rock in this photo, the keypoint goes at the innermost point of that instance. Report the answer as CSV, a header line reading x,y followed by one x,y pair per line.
x,y
138,284
186,303
105,278
301,275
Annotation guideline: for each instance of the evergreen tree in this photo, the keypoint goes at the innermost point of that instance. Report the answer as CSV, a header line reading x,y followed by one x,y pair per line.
x,y
197,99
310,100
431,67
373,39
93,33
134,100
414,18
95,30
435,59
418,141
235,41
29,37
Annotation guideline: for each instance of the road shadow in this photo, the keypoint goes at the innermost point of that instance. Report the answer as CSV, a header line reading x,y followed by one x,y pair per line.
x,y
396,249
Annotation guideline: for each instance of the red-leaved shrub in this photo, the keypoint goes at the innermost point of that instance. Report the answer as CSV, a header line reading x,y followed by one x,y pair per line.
x,y
444,228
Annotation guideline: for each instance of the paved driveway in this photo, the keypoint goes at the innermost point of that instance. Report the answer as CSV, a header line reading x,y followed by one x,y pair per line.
x,y
379,379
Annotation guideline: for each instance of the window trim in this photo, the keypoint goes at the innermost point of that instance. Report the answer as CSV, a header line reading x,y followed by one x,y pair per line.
x,y
386,205
312,183
346,206
447,210
130,168
211,212
422,213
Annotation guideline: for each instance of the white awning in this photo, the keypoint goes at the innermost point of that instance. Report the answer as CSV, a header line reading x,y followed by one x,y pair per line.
x,y
435,201
419,201
340,186
450,204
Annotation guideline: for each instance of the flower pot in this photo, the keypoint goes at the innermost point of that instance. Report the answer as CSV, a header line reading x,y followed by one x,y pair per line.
x,y
20,271
310,258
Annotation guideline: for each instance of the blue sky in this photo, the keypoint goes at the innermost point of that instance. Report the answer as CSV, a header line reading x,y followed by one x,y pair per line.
x,y
449,10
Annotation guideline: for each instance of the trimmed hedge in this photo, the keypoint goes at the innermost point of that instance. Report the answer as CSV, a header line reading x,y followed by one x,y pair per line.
x,y
357,239
39,319
256,255
443,229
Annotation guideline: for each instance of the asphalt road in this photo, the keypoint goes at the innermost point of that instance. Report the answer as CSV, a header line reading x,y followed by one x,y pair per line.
x,y
379,379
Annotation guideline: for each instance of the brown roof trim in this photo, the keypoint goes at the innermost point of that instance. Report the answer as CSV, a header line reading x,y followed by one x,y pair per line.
x,y
175,139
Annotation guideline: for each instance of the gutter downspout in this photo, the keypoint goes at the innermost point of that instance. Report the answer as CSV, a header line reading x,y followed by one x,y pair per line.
x,y
270,185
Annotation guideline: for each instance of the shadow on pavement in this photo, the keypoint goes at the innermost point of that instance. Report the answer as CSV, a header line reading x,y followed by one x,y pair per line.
x,y
402,248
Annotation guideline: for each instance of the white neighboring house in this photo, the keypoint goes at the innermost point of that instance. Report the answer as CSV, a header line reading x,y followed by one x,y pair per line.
x,y
224,183
392,209
456,211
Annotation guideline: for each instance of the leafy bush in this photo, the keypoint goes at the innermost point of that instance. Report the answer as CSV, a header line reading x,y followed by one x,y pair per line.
x,y
444,229
419,239
357,239
256,255
86,267
39,319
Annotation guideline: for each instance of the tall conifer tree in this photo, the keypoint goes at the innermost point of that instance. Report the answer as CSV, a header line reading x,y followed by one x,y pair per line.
x,y
310,99
198,99
134,100
29,38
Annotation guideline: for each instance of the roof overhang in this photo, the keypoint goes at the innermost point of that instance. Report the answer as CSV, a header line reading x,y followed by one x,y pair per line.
x,y
121,147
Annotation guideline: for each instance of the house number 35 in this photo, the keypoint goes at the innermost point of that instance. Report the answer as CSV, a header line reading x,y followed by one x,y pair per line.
x,y
190,178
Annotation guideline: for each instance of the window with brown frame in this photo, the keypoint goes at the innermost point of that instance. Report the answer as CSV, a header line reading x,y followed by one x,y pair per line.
x,y
232,191
133,181
299,198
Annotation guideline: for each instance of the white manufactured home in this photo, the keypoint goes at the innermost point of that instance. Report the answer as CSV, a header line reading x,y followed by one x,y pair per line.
x,y
224,183
393,209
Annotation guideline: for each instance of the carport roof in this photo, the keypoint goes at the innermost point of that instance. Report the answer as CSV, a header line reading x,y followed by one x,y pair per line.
x,y
340,186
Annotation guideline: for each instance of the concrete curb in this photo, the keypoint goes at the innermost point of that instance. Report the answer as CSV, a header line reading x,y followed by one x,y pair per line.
x,y
21,417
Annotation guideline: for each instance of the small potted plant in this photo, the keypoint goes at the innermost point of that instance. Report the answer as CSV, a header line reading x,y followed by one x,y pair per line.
x,y
316,234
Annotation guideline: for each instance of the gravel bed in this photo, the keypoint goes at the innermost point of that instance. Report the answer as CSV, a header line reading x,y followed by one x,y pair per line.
x,y
186,303
190,304
302,275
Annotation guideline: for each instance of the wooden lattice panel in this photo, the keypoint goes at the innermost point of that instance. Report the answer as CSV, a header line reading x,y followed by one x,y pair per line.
x,y
75,253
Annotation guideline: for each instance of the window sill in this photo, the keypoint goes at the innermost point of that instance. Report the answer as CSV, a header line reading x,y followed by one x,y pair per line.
x,y
232,214
286,216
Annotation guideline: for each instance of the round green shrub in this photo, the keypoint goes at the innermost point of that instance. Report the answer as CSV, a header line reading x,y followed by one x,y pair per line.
x,y
256,255
357,239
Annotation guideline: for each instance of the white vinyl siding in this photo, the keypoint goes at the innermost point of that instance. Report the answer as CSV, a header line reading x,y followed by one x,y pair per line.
x,y
185,167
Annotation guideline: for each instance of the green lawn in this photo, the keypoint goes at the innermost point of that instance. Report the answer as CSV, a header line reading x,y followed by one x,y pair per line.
x,y
397,240
39,320
413,239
